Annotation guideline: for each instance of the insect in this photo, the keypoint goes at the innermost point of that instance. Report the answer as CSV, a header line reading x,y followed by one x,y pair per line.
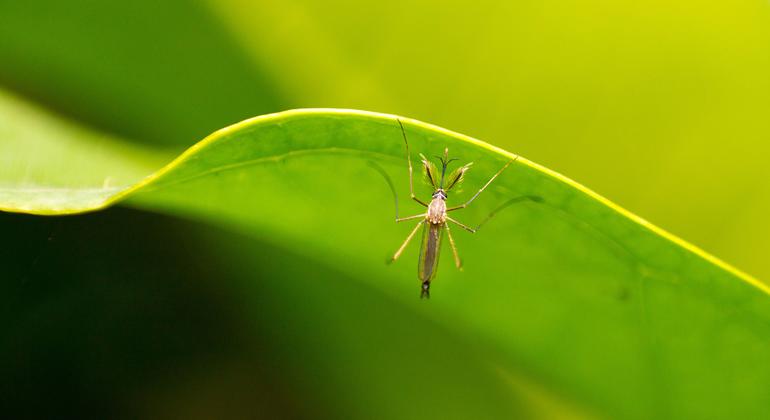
x,y
436,220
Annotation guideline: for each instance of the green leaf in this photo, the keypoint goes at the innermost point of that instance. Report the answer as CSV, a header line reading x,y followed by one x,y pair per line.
x,y
573,292
668,123
52,166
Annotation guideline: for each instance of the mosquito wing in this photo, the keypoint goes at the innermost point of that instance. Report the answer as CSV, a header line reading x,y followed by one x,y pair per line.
x,y
429,251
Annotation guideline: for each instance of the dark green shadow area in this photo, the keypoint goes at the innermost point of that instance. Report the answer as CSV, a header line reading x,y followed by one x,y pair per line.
x,y
125,314
114,313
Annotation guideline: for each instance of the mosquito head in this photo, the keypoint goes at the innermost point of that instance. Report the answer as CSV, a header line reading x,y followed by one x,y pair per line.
x,y
440,193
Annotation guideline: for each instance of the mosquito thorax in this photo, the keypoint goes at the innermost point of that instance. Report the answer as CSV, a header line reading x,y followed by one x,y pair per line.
x,y
437,208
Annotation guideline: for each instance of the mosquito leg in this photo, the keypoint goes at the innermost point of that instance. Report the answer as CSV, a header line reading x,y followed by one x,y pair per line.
x,y
416,216
468,228
514,200
462,206
409,162
384,174
458,263
406,242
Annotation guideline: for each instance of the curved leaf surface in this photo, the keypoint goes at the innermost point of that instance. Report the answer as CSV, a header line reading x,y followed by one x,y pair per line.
x,y
595,303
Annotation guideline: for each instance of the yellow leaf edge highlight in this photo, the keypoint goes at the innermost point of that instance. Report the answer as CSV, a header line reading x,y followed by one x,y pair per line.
x,y
305,112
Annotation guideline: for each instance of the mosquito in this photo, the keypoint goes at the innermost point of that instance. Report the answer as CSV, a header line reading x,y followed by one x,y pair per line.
x,y
436,220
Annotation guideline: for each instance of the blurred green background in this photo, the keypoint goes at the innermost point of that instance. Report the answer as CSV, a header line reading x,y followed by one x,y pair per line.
x,y
660,106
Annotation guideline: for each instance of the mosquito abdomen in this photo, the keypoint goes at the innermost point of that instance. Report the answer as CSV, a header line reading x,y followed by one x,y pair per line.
x,y
429,253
